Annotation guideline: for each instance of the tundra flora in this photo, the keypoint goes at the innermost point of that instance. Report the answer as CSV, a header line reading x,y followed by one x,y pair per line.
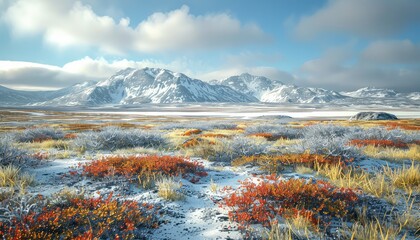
x,y
328,140
317,201
39,134
230,149
78,218
273,163
112,138
9,154
141,167
273,131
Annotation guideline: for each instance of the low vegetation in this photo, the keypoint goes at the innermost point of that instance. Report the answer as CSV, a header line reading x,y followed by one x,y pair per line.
x,y
143,167
316,201
112,138
329,179
90,218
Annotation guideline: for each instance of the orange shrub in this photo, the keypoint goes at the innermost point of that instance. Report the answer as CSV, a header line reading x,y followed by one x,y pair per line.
x,y
260,202
401,125
70,136
191,132
131,166
41,155
93,218
214,135
378,143
273,163
196,141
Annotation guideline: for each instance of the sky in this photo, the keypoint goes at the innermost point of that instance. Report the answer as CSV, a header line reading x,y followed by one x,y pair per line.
x,y
340,45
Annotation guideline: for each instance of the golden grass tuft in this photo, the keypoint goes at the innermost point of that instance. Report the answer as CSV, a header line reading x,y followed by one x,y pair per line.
x,y
374,230
303,169
11,176
407,178
169,190
377,185
412,153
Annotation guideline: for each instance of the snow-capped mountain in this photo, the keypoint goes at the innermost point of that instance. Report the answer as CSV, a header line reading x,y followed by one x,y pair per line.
x,y
155,85
150,85
294,94
274,91
371,92
250,84
15,97
415,96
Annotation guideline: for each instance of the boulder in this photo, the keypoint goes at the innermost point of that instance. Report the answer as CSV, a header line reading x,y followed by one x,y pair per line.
x,y
374,116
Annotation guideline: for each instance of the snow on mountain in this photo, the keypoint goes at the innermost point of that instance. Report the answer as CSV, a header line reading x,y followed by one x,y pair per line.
x,y
150,85
155,85
294,94
250,85
267,90
371,92
415,96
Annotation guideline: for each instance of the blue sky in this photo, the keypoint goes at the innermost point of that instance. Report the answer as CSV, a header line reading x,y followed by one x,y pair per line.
x,y
335,44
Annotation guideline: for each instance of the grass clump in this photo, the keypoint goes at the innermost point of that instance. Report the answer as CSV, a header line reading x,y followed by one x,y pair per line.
x,y
407,178
275,163
412,153
11,176
168,189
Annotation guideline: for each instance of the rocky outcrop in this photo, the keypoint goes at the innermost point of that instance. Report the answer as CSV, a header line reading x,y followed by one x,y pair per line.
x,y
374,116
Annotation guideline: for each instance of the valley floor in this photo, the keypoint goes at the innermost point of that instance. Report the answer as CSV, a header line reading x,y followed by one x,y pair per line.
x,y
231,166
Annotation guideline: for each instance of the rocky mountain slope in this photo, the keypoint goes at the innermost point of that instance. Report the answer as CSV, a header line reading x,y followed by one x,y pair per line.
x,y
156,85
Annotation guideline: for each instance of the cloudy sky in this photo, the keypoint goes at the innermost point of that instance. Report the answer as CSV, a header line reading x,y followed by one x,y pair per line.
x,y
335,44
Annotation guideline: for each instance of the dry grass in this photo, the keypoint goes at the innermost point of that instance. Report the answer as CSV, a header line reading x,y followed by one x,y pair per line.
x,y
11,176
303,169
213,186
377,185
374,230
286,142
412,153
277,232
407,178
169,190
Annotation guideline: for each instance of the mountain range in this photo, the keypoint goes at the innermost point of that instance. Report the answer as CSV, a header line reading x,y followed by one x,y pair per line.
x,y
156,85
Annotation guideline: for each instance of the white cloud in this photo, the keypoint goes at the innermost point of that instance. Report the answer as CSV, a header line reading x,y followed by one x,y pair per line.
x,y
70,23
392,52
29,76
369,18
339,69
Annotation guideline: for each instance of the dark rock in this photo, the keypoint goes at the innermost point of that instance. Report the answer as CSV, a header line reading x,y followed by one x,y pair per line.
x,y
374,116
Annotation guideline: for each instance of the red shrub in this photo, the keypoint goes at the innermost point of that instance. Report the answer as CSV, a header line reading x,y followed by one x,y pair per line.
x,y
130,166
318,201
93,218
378,143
